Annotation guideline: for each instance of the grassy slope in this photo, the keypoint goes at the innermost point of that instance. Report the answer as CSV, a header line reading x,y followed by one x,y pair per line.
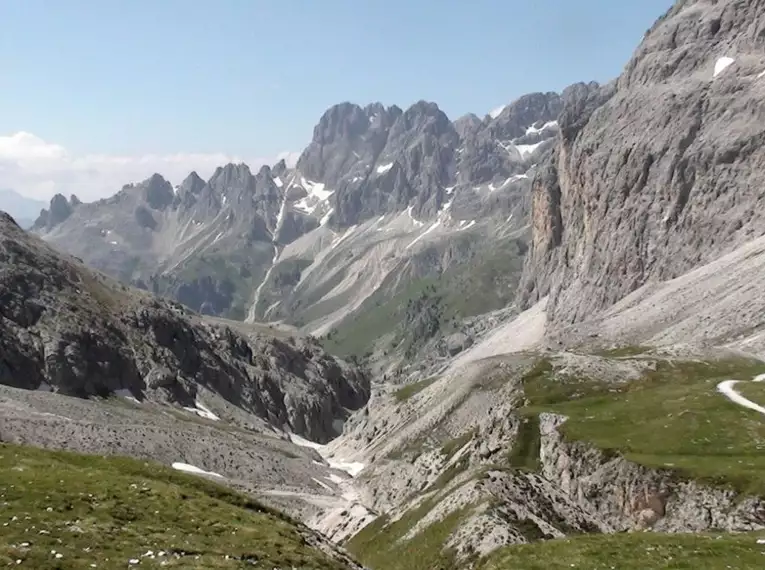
x,y
483,284
634,551
107,511
410,390
671,418
381,545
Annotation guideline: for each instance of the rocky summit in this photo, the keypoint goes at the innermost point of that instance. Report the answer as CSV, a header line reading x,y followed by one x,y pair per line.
x,y
524,339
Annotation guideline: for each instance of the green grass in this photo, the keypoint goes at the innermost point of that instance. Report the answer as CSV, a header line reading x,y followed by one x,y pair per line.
x,y
524,455
106,511
484,282
452,446
380,545
406,392
379,315
623,351
237,274
633,551
671,418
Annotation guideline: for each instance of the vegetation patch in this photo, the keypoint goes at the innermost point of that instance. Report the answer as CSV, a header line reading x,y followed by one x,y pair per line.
x,y
622,351
434,304
62,510
381,545
406,392
672,418
633,551
524,455
452,446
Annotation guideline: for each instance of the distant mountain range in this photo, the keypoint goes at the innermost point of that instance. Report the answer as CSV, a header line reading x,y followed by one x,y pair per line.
x,y
381,200
24,210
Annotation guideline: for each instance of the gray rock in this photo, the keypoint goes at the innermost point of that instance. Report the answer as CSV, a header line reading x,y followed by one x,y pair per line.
x,y
85,335
658,172
457,342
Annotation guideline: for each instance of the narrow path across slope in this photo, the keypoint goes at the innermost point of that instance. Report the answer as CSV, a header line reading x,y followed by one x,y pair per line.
x,y
726,388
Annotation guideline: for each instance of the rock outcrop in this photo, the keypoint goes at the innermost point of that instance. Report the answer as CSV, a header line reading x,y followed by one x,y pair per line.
x,y
76,332
625,496
659,171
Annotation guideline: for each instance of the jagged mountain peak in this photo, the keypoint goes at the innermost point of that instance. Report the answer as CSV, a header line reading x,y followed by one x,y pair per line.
x,y
467,124
213,242
264,171
528,110
157,192
232,170
57,212
231,176
425,111
192,184
280,168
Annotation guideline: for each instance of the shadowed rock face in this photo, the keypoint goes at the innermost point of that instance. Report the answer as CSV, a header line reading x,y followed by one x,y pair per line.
x,y
79,333
658,172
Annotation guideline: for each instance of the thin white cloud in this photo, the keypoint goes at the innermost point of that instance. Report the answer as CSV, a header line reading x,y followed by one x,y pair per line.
x,y
39,169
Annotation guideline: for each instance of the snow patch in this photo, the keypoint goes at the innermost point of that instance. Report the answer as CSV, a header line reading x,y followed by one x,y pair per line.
x,y
417,223
353,468
761,75
185,467
384,168
469,225
336,479
113,242
202,412
510,180
303,442
533,130
527,149
327,487
450,189
722,64
317,189
278,182
317,193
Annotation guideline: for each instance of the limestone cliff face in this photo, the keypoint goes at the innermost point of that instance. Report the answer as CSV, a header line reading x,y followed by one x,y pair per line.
x,y
658,172
622,495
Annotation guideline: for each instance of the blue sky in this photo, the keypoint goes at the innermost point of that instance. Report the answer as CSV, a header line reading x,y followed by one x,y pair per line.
x,y
251,77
